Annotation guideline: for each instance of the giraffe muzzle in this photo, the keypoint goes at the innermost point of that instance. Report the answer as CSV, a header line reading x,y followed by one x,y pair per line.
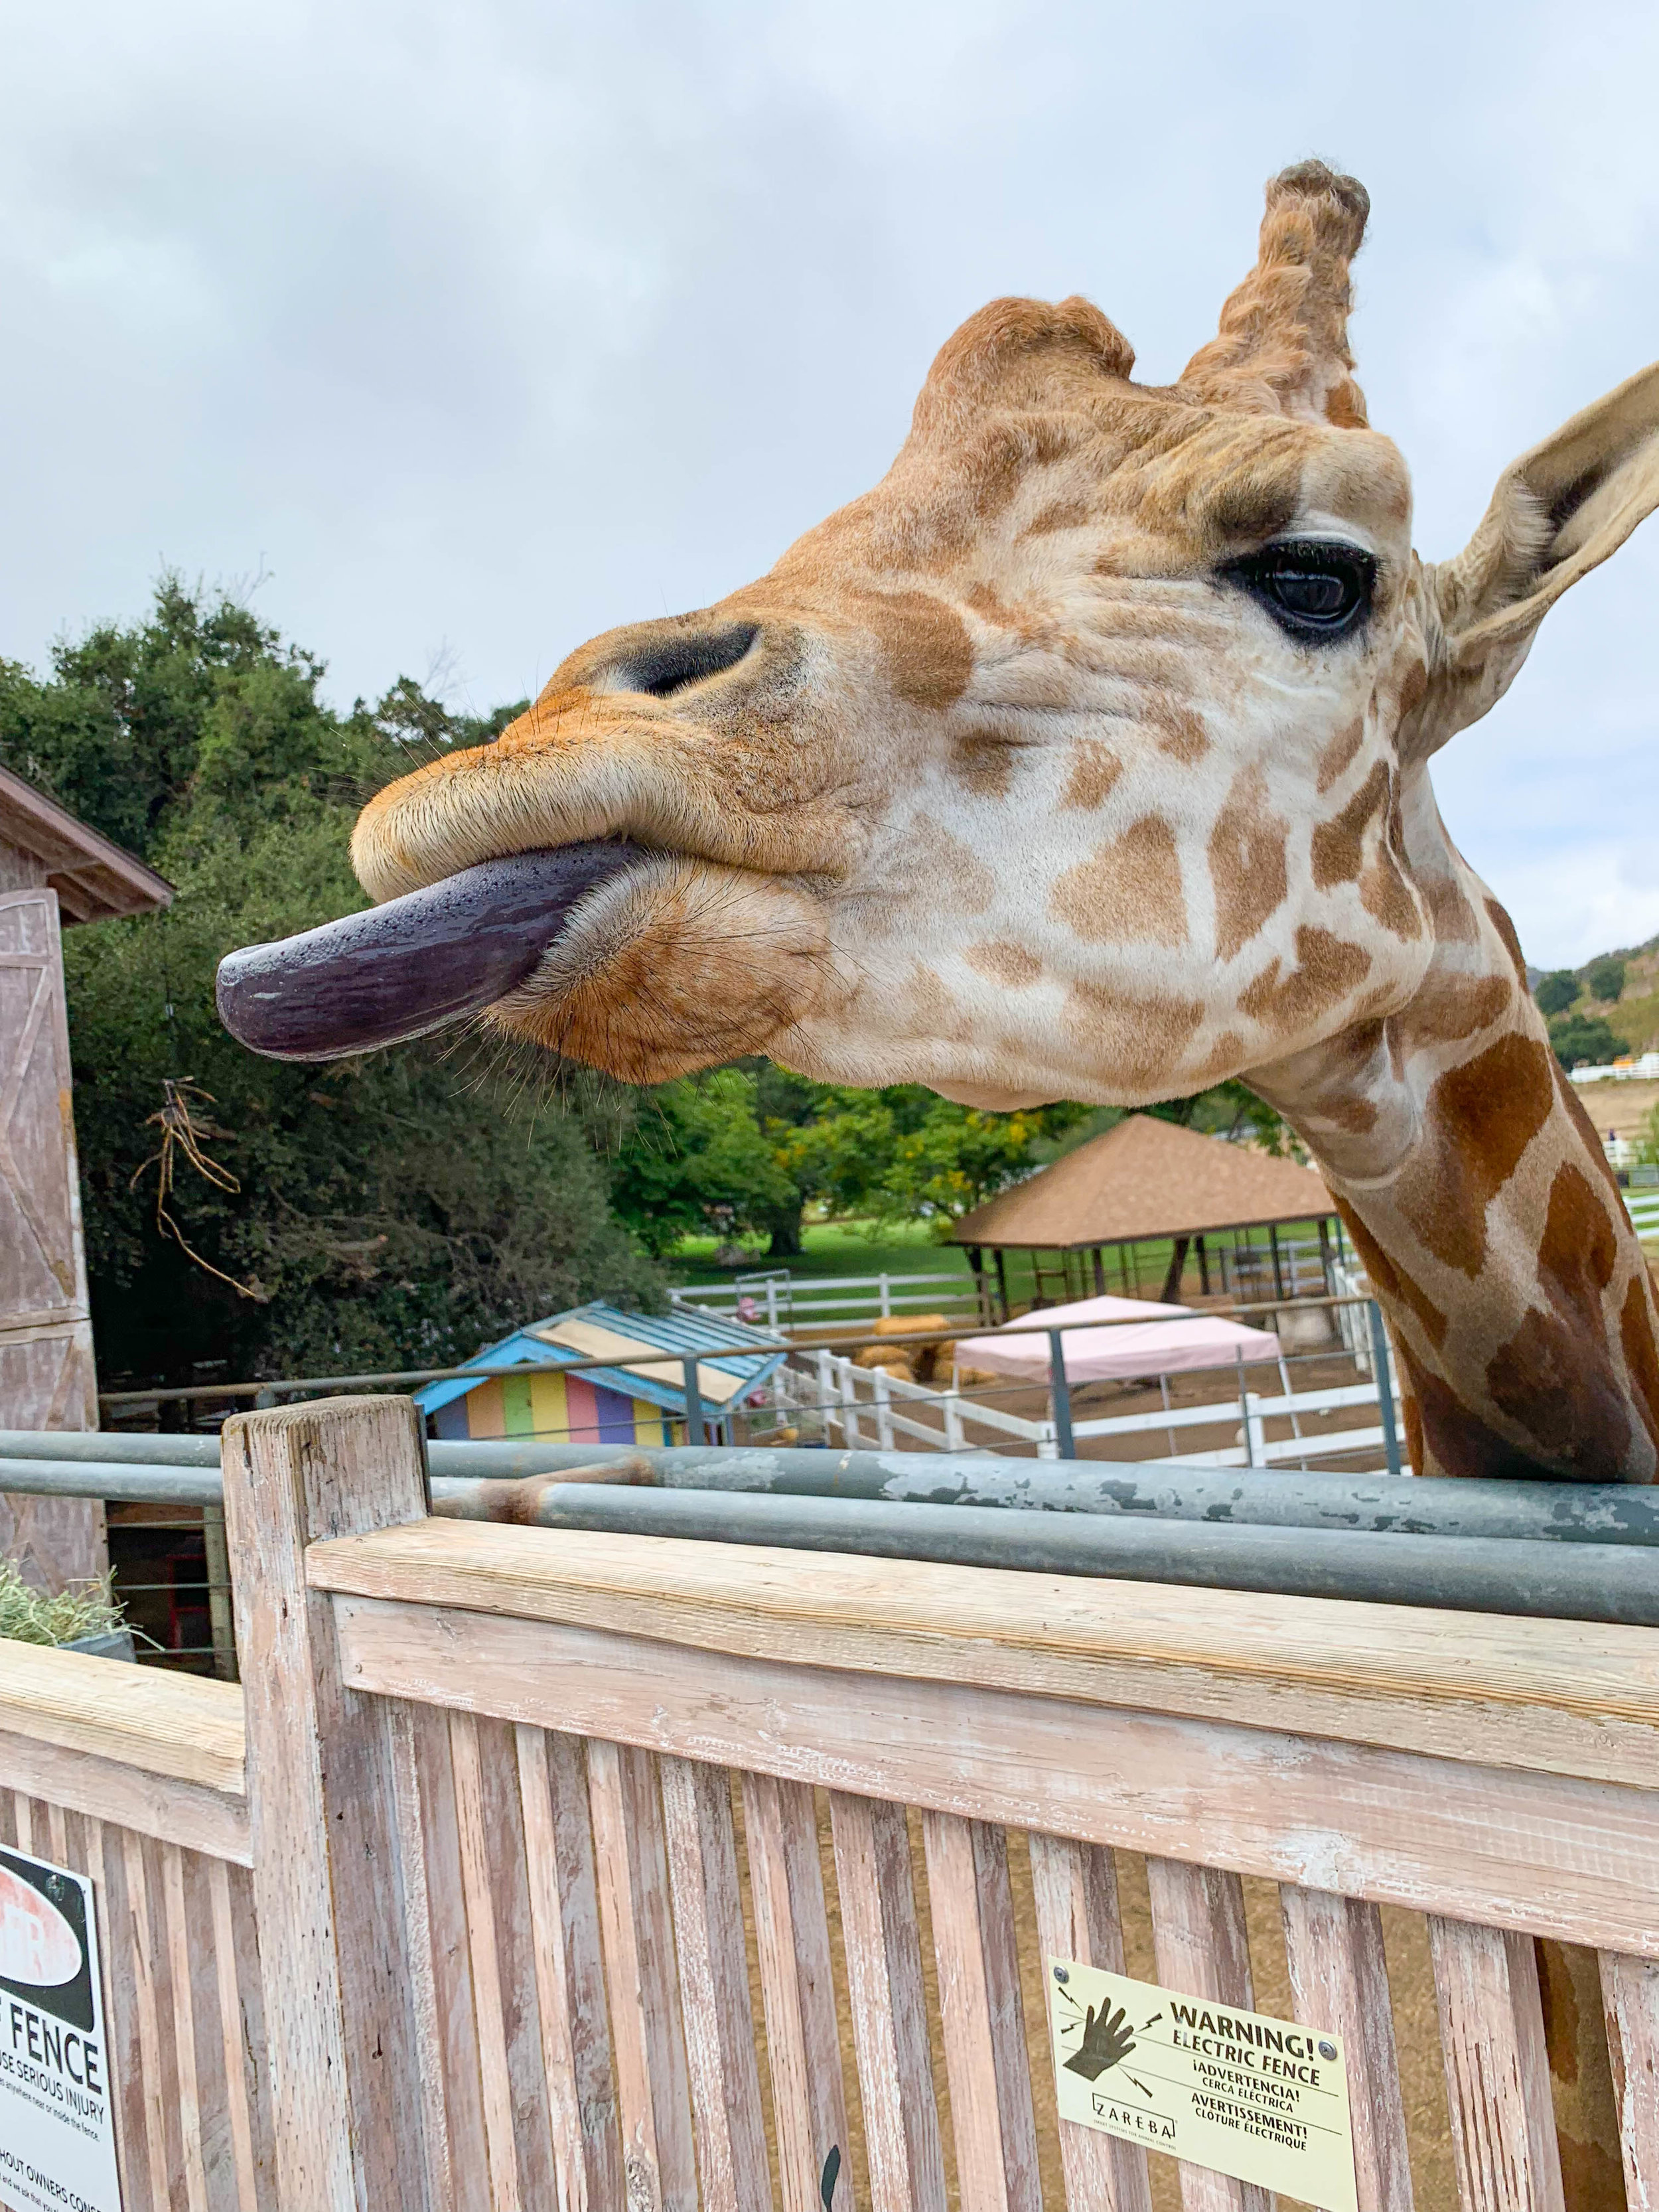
x,y
414,964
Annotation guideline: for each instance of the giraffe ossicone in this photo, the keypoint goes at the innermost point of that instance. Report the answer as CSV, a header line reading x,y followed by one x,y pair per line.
x,y
1087,756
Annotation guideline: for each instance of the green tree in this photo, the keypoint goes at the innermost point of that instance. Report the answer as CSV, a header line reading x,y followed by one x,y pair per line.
x,y
374,1213
1556,991
1578,1037
1606,979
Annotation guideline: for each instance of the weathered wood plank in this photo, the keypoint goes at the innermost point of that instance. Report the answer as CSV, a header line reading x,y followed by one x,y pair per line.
x,y
339,1971
1568,1697
1334,1948
983,2020
803,2043
581,2092
126,1795
183,1727
1629,1997
158,2073
1498,2076
890,2020
1544,1852
1201,1945
106,1863
648,2040
238,2102
713,1970
180,1950
477,1845
1074,1886
441,1953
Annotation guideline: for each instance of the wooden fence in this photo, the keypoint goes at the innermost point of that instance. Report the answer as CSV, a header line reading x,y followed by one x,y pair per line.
x,y
608,1872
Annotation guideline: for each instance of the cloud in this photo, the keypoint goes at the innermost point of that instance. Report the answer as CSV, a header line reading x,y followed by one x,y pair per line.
x,y
483,327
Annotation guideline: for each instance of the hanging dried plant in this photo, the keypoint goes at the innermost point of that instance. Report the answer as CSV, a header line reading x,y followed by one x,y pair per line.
x,y
182,1132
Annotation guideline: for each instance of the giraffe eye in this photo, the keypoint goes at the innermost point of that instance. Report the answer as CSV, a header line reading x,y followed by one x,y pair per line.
x,y
1311,587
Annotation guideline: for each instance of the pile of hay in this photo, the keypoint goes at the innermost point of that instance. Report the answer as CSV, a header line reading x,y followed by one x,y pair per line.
x,y
28,1615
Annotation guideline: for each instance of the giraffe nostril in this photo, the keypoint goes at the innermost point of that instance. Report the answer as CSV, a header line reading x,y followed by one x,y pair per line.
x,y
670,664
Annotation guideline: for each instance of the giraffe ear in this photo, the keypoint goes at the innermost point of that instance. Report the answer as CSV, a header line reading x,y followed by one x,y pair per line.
x,y
1283,344
1557,514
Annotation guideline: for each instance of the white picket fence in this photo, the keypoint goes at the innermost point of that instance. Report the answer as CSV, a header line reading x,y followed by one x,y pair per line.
x,y
865,1407
782,1298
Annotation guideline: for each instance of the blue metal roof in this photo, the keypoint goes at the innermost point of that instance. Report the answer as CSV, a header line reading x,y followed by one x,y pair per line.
x,y
673,1335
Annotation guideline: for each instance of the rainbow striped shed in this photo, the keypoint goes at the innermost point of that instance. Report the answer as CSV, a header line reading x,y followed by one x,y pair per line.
x,y
640,1400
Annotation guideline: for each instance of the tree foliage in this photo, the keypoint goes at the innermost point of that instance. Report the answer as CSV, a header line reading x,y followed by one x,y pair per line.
x,y
387,1213
1580,1037
1556,991
1606,979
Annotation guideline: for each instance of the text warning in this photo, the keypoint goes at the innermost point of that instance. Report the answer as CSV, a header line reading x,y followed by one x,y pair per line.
x,y
1264,2101
56,2131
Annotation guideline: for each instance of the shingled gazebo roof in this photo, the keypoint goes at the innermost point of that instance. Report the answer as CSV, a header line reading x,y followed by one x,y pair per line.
x,y
1145,1178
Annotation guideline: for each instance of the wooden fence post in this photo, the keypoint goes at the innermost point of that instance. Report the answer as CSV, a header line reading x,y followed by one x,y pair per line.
x,y
347,2007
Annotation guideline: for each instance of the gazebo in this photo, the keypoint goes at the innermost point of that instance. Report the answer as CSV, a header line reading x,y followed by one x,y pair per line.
x,y
53,869
1144,1181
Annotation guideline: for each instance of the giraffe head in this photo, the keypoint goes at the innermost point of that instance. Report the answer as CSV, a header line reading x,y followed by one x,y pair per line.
x,y
1073,759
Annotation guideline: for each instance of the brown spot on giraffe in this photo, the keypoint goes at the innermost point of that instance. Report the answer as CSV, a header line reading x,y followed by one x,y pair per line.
x,y
1452,1006
925,645
1127,892
984,761
1150,1034
1555,1378
1456,1439
1095,768
1500,921
1338,848
1338,753
1641,1356
1481,1117
1327,968
1181,733
1386,897
1010,964
1247,862
1391,1281
1061,514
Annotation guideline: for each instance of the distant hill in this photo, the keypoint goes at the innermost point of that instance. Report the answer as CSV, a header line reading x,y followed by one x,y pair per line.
x,y
1634,1014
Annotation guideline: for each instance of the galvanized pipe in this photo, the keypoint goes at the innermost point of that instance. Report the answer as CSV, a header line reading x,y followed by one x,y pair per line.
x,y
1563,1582
82,1464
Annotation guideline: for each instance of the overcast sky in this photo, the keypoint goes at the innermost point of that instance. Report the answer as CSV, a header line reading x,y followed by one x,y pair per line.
x,y
469,330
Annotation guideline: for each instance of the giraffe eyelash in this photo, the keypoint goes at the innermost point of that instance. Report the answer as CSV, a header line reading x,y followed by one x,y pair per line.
x,y
1317,589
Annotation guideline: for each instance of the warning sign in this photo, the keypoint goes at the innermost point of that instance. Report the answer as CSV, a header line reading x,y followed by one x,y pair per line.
x,y
57,2129
1265,2100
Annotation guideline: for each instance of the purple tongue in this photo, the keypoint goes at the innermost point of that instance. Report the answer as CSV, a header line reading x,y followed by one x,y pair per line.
x,y
412,964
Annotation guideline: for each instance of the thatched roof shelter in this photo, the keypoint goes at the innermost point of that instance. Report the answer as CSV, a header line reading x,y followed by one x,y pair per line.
x,y
1145,1181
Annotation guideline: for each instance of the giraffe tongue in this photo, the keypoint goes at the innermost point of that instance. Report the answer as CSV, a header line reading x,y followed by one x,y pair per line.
x,y
411,965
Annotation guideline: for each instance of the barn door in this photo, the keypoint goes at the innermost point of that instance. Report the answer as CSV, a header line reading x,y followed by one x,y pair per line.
x,y
47,1379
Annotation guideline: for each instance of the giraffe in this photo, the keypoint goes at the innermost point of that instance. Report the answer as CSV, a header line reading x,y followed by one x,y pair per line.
x,y
1088,755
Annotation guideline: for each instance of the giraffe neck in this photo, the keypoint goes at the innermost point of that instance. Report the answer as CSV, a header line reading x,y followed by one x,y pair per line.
x,y
1477,1194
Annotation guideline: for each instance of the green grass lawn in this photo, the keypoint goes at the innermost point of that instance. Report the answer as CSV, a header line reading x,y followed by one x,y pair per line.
x,y
840,1248
833,1249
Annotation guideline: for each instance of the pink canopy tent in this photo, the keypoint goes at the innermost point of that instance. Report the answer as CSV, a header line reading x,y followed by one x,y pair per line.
x,y
1138,1345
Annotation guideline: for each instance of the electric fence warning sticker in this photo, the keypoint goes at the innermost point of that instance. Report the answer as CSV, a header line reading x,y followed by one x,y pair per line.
x,y
1264,2101
56,2131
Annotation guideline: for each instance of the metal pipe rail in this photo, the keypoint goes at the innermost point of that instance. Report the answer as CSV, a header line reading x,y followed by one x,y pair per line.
x,y
184,1470
1574,1580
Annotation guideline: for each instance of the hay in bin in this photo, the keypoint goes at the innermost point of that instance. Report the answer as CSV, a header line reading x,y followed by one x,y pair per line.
x,y
28,1615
